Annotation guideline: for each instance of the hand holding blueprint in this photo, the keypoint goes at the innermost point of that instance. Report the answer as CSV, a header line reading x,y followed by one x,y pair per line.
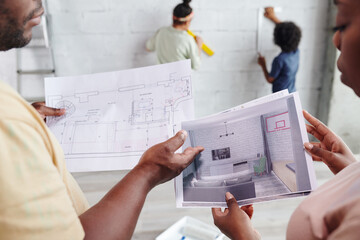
x,y
112,118
255,151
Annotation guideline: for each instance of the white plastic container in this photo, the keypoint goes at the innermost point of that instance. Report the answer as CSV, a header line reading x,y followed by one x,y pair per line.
x,y
188,228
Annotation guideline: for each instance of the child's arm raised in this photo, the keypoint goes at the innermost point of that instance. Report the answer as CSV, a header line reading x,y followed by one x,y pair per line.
x,y
270,14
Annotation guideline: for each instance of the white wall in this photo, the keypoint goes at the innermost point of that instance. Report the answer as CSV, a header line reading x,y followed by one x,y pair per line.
x,y
344,116
245,139
280,142
8,67
34,58
94,36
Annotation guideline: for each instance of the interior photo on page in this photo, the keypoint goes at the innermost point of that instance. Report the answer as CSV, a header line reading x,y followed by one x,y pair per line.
x,y
256,153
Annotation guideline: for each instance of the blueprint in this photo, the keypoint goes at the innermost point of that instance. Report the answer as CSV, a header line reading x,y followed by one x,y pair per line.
x,y
112,118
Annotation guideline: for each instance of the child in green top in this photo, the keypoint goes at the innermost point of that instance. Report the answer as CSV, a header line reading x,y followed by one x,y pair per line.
x,y
173,43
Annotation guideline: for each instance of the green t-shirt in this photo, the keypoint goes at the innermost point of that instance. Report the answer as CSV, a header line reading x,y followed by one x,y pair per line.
x,y
173,45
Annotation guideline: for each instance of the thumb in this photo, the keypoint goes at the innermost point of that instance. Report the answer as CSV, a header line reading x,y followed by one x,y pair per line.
x,y
190,153
177,141
231,202
319,152
48,111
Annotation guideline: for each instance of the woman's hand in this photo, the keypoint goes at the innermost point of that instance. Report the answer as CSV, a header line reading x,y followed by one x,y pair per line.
x,y
235,222
331,149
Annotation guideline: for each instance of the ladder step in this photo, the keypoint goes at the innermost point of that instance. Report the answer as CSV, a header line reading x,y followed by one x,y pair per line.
x,y
35,46
36,43
36,72
34,99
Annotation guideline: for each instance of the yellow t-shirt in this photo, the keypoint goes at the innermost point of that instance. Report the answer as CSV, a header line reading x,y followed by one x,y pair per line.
x,y
39,199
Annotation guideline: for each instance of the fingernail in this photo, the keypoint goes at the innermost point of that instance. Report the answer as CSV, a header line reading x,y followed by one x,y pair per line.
x,y
183,135
229,196
308,146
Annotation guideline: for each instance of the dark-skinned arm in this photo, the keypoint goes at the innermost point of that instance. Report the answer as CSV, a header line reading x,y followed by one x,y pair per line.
x,y
262,63
116,215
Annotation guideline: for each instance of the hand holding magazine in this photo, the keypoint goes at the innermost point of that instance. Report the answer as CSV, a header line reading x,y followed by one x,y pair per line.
x,y
255,151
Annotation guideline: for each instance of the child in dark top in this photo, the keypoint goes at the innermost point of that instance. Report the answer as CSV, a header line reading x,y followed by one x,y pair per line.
x,y
285,66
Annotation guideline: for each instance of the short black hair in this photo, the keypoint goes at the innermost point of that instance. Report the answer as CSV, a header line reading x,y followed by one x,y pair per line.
x,y
182,10
287,36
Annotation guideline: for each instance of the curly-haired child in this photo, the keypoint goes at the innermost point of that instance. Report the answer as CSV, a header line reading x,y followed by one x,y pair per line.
x,y
285,66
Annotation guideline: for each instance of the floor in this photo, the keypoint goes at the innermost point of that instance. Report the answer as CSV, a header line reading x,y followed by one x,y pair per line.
x,y
269,185
160,212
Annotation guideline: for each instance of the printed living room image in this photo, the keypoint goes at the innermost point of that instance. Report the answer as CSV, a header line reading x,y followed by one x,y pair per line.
x,y
251,156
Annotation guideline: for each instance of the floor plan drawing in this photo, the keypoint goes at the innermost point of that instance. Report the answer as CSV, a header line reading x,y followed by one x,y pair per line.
x,y
112,118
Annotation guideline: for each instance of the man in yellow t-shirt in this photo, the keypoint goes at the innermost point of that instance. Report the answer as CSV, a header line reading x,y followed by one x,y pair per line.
x,y
39,199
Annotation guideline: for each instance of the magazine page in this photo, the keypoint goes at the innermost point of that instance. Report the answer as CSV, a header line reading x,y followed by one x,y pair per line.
x,y
256,153
259,101
267,98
